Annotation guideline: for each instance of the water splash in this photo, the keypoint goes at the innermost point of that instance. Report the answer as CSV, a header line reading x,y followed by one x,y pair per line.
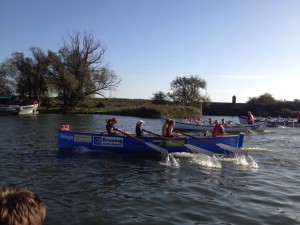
x,y
170,161
257,149
200,159
251,161
206,161
245,160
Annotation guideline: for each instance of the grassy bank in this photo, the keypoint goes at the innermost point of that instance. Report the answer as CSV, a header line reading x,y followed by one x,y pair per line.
x,y
126,107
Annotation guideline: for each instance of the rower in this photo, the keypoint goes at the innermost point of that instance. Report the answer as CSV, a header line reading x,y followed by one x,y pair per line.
x,y
218,129
110,125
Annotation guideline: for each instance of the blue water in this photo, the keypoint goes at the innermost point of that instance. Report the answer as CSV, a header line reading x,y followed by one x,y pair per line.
x,y
104,188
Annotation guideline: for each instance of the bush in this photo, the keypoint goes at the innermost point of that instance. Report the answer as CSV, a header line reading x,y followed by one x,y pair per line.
x,y
100,105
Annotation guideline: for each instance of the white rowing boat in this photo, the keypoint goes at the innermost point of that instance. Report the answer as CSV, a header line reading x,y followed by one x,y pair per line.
x,y
29,109
231,127
275,122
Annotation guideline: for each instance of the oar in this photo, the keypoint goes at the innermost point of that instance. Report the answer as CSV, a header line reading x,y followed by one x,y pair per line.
x,y
151,145
249,130
221,145
230,121
241,125
189,146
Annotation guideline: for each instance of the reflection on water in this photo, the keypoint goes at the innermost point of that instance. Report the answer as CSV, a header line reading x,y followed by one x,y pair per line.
x,y
86,187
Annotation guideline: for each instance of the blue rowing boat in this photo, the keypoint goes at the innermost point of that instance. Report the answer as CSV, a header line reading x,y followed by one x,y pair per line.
x,y
130,144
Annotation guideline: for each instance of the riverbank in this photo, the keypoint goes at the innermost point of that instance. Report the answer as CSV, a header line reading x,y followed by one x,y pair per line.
x,y
146,109
125,107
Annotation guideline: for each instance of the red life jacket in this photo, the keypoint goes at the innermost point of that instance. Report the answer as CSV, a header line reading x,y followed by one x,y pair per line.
x,y
218,130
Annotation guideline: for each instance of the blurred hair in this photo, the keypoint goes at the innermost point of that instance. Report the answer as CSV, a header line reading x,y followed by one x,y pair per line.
x,y
19,206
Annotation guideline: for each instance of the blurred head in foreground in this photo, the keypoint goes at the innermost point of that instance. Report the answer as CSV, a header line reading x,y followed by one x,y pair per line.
x,y
19,206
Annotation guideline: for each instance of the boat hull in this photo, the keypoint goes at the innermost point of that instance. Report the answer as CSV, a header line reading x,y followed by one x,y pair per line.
x,y
28,109
7,110
18,110
69,140
229,128
274,122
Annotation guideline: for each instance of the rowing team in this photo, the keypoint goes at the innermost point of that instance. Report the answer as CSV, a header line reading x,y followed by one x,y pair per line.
x,y
197,120
201,122
167,128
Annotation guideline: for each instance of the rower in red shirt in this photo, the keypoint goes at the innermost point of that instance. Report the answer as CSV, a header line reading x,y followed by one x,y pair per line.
x,y
218,129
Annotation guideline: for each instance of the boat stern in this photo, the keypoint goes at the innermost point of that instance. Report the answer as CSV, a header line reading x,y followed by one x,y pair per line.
x,y
65,140
241,140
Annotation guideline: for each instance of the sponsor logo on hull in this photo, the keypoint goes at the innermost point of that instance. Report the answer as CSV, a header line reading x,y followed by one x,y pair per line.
x,y
65,136
108,141
82,138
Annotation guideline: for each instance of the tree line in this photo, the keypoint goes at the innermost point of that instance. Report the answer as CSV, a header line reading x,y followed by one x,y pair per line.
x,y
74,73
77,71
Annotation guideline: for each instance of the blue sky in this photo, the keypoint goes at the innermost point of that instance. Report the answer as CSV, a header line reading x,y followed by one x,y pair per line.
x,y
242,48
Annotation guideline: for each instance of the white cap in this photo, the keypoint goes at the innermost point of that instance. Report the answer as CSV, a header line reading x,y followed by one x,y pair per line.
x,y
141,121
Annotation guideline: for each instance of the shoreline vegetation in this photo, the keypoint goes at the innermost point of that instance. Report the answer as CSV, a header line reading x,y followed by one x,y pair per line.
x,y
146,109
124,107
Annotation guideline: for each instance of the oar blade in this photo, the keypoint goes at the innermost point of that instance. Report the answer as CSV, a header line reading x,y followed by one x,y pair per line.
x,y
153,146
199,150
232,149
157,148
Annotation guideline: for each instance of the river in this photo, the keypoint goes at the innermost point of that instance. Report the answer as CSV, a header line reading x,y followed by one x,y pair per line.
x,y
103,188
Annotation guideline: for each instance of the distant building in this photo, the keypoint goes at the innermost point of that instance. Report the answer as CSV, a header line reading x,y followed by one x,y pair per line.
x,y
233,99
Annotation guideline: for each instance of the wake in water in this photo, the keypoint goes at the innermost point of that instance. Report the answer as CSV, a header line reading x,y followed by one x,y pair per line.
x,y
207,161
199,159
81,150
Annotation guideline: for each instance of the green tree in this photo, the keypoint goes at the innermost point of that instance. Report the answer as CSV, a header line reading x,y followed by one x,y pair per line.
x,y
187,90
21,71
265,99
40,73
77,70
159,98
6,85
28,74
